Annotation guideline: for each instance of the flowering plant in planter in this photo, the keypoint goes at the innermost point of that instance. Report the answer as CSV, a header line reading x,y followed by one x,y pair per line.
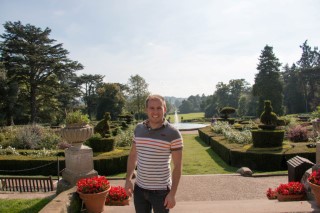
x,y
93,185
117,196
291,188
315,177
271,194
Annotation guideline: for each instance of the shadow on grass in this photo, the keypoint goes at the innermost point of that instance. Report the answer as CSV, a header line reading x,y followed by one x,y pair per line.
x,y
216,157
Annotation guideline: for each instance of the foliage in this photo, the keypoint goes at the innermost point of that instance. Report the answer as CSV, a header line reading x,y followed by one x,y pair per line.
x,y
77,117
268,117
90,97
138,93
225,111
110,99
125,137
309,78
103,126
233,136
268,85
41,68
29,137
291,188
316,113
8,151
298,134
293,93
93,185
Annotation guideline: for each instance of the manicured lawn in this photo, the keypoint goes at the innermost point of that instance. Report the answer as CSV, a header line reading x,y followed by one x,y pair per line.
x,y
188,116
22,205
200,159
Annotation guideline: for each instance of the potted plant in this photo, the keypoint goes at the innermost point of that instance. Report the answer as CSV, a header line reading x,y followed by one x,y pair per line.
x,y
271,194
314,183
93,192
76,119
77,128
117,196
291,191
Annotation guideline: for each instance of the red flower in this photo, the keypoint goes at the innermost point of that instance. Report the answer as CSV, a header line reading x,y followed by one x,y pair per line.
x,y
315,177
93,185
116,193
271,194
291,188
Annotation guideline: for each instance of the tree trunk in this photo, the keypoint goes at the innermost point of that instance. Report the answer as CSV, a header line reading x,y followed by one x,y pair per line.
x,y
33,105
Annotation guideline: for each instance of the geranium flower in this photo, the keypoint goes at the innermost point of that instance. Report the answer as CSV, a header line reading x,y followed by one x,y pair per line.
x,y
93,185
291,188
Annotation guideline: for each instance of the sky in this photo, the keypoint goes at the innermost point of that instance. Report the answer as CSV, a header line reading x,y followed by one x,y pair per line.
x,y
180,47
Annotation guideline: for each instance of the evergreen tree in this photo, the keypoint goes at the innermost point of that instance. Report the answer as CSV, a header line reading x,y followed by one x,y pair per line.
x,y
36,63
293,95
268,84
309,75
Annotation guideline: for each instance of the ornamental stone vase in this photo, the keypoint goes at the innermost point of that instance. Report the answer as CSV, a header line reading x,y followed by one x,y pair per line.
x,y
78,158
76,134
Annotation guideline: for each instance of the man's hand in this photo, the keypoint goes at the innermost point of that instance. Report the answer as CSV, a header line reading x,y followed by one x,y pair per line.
x,y
129,187
170,201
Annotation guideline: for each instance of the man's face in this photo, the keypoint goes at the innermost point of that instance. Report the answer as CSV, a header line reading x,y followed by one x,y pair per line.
x,y
155,111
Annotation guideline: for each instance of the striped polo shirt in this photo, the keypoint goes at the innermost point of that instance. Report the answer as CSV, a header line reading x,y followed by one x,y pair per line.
x,y
154,147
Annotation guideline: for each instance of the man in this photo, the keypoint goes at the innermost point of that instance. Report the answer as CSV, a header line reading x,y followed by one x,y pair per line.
x,y
155,142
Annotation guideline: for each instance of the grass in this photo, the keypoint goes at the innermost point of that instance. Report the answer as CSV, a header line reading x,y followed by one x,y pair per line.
x,y
23,205
188,116
200,159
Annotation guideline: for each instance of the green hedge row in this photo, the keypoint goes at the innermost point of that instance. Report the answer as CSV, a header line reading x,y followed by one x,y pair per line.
x,y
26,166
265,160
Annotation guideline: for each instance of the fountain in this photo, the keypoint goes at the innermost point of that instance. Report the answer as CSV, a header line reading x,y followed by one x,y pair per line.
x,y
186,126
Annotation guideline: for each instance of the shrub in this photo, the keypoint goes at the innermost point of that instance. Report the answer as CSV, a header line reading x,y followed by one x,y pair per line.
x,y
233,136
298,134
125,137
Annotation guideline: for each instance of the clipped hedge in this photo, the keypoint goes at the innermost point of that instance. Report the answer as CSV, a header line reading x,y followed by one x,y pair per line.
x,y
102,144
267,138
261,159
25,165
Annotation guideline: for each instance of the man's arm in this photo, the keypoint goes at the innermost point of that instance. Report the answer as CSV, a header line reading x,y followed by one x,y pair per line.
x,y
131,165
170,200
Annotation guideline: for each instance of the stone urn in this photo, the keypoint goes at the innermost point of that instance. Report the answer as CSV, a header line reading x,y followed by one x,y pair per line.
x,y
78,158
76,134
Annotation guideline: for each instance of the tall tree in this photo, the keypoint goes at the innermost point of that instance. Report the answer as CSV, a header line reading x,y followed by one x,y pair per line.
x,y
110,99
90,84
309,75
138,92
35,62
293,94
236,88
268,84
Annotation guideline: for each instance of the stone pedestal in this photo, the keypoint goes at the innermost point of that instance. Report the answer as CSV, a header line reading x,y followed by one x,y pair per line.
x,y
79,164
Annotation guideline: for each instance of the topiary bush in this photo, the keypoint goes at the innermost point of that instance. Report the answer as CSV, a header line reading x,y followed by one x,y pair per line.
x,y
268,117
103,126
226,111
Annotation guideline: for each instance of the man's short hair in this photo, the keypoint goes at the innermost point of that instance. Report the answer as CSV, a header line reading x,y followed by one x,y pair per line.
x,y
155,97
